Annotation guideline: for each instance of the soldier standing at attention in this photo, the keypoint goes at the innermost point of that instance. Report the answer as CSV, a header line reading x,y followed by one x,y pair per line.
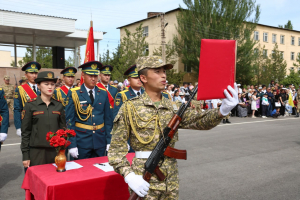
x,y
9,92
25,92
89,114
142,119
41,115
68,78
298,102
105,74
4,117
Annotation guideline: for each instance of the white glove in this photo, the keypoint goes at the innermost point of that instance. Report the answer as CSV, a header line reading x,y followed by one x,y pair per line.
x,y
74,152
128,146
107,147
19,132
231,101
137,184
3,137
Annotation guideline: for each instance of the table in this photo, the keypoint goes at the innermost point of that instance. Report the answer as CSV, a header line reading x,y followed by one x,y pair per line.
x,y
88,182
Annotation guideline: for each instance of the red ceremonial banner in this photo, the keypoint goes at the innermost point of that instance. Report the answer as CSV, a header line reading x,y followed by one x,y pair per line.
x,y
216,68
89,49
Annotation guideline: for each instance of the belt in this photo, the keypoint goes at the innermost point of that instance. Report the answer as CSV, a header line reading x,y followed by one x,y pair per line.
x,y
89,127
142,154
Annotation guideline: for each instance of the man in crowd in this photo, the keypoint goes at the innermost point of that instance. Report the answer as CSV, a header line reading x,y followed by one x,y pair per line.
x,y
25,92
142,119
88,113
270,97
9,92
68,78
239,88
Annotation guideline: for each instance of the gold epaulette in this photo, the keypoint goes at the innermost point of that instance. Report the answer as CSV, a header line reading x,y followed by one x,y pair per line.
x,y
113,86
76,88
101,89
0,88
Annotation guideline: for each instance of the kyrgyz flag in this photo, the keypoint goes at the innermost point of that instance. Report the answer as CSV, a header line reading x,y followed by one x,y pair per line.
x,y
89,49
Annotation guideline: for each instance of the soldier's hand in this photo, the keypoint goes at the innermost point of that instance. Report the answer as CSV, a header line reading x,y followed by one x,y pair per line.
x,y
107,147
19,132
3,137
137,184
26,163
128,146
74,152
231,101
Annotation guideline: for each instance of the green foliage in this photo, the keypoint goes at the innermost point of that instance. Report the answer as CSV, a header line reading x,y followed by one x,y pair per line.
x,y
218,19
69,62
288,25
43,56
277,65
261,66
292,78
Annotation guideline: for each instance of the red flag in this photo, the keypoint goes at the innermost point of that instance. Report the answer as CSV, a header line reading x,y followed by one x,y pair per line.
x,y
89,49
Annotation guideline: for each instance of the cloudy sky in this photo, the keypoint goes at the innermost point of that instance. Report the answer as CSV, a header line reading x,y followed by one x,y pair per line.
x,y
108,15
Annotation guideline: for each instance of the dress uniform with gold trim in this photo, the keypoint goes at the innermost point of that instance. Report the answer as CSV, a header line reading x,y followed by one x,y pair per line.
x,y
4,117
92,121
111,88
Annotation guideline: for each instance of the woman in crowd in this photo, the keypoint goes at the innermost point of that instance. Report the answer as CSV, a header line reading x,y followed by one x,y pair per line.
x,y
253,103
275,103
41,115
169,90
282,98
242,107
176,96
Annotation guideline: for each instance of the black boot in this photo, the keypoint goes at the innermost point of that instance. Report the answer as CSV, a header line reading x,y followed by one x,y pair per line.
x,y
227,121
224,122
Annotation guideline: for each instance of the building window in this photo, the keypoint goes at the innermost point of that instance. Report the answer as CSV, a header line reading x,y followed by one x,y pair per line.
x,y
255,51
298,54
282,39
265,37
299,41
273,52
265,53
145,31
281,54
187,68
292,40
292,68
292,55
274,38
256,36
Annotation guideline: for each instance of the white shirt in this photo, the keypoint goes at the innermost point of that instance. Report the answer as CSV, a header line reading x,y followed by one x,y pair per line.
x,y
215,102
31,85
240,90
135,91
88,91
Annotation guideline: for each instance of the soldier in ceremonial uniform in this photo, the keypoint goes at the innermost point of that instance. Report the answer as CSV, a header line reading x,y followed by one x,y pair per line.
x,y
62,92
4,117
25,92
41,115
298,102
89,114
105,74
142,120
9,92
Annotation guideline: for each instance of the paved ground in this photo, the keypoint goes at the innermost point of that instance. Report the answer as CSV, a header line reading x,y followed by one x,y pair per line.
x,y
248,159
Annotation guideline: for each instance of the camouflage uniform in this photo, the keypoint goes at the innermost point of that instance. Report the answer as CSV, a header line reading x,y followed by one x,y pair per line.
x,y
9,93
197,103
141,121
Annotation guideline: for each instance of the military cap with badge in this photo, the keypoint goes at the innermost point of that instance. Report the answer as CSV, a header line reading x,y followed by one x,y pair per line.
x,y
151,62
45,76
91,68
69,71
31,67
107,69
132,72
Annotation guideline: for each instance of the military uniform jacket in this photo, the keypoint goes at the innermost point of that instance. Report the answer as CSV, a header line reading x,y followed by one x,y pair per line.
x,y
113,90
122,97
9,90
37,121
21,97
4,113
142,122
100,113
61,94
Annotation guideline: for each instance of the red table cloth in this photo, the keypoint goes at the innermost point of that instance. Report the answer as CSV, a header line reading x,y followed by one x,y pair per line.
x,y
86,183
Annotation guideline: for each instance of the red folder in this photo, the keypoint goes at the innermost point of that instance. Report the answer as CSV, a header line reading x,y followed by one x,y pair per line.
x,y
216,69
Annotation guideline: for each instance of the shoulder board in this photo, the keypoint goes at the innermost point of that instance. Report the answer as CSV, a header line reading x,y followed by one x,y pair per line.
x,y
165,93
31,100
76,88
0,88
123,91
113,86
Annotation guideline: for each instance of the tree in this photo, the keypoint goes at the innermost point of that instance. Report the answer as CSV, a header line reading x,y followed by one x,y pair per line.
x,y
261,66
173,76
69,62
297,63
288,25
277,65
292,78
43,56
218,19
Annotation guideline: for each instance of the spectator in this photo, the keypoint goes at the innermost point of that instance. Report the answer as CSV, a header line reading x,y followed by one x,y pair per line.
x,y
276,104
272,84
242,107
176,96
216,103
253,103
115,83
283,97
110,82
256,88
239,88
182,99
270,98
184,89
169,90
265,104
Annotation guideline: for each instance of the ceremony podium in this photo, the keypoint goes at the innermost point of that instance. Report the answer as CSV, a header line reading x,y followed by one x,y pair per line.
x,y
42,182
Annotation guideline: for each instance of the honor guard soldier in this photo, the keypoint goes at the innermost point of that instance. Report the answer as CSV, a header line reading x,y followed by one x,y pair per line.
x,y
298,102
9,92
88,113
25,92
62,92
4,117
105,74
142,120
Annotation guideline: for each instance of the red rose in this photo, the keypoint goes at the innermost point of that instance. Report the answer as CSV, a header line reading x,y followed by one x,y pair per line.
x,y
48,136
61,132
54,141
71,133
61,142
68,143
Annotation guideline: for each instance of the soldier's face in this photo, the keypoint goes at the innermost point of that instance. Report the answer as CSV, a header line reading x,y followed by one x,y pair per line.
x,y
6,81
89,80
69,80
31,76
135,83
155,80
104,78
47,87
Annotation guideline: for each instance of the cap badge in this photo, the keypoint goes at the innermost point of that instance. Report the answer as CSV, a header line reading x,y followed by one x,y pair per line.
x,y
136,71
94,66
33,66
50,75
71,70
107,68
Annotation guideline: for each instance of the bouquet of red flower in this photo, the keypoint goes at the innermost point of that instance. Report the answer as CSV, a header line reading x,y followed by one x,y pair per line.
x,y
60,139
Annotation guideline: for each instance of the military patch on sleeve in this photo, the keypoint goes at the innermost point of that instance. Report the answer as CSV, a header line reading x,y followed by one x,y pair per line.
x,y
16,95
67,101
118,101
56,112
23,114
38,113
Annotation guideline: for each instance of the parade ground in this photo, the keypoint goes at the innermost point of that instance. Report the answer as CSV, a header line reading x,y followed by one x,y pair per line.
x,y
247,159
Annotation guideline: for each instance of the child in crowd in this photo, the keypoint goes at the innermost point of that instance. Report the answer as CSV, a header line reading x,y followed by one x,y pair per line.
x,y
265,104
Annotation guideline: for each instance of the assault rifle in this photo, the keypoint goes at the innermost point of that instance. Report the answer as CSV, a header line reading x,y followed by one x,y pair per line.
x,y
16,81
162,148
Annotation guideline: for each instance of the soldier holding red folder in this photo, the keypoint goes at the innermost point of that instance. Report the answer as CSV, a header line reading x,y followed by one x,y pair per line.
x,y
142,119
